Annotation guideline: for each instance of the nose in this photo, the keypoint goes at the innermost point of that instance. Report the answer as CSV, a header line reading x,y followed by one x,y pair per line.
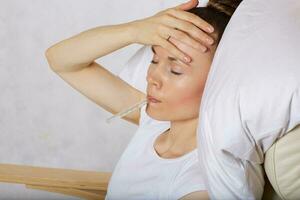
x,y
154,75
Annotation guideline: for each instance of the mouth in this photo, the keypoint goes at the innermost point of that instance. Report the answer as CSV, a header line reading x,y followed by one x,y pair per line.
x,y
152,99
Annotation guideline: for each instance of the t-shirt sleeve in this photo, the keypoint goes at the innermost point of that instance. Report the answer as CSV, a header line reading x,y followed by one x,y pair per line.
x,y
135,69
189,181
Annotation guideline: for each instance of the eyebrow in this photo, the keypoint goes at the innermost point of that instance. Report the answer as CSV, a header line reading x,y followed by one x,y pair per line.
x,y
173,59
170,58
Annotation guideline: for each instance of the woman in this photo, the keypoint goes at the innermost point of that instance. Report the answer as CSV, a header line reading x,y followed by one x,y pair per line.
x,y
170,170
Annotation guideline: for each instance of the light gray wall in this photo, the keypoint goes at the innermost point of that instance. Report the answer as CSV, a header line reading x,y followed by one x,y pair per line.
x,y
43,121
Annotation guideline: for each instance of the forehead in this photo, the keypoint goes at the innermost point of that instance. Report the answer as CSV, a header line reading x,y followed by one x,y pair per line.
x,y
198,57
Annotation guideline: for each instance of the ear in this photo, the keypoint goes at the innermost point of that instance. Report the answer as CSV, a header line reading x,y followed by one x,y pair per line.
x,y
188,5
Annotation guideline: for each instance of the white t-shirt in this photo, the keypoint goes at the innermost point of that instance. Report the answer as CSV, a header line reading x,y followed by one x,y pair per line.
x,y
142,174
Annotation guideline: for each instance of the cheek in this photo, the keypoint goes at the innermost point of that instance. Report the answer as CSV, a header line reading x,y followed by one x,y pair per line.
x,y
187,96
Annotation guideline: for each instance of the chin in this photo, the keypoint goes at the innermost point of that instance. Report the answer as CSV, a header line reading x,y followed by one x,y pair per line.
x,y
154,114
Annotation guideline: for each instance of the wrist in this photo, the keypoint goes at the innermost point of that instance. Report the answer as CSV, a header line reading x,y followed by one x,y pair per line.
x,y
131,31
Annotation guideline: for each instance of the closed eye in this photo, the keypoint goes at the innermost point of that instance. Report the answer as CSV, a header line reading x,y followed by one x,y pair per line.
x,y
153,62
176,73
173,72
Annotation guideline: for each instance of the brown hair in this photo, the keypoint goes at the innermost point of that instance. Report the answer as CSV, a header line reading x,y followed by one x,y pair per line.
x,y
217,13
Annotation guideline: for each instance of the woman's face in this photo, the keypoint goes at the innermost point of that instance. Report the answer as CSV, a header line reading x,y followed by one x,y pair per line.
x,y
179,86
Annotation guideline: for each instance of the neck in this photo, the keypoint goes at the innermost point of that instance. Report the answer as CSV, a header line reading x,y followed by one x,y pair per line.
x,y
182,134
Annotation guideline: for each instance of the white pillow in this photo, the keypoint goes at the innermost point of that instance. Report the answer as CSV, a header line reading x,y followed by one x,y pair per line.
x,y
134,72
251,97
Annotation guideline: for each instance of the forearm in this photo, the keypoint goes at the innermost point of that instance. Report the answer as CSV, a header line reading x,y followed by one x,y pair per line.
x,y
79,51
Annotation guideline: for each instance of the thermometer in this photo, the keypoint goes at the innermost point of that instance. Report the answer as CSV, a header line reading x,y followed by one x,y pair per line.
x,y
127,111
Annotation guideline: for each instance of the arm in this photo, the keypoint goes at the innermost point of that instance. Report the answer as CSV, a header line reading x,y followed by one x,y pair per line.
x,y
79,51
73,60
199,195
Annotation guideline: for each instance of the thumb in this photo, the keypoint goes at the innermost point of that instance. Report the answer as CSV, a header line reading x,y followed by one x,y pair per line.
x,y
188,5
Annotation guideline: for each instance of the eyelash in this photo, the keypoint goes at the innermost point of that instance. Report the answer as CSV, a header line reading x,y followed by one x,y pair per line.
x,y
176,73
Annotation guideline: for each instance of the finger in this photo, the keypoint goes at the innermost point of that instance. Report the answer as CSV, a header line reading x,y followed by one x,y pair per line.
x,y
185,48
174,50
187,27
187,5
185,38
190,17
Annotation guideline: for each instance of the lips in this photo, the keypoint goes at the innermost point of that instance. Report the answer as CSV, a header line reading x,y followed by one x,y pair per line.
x,y
152,99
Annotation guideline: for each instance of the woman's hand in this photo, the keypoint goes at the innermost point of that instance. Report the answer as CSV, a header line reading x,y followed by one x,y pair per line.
x,y
174,22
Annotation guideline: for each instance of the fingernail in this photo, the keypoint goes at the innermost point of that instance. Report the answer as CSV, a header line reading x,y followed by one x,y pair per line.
x,y
186,59
210,29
